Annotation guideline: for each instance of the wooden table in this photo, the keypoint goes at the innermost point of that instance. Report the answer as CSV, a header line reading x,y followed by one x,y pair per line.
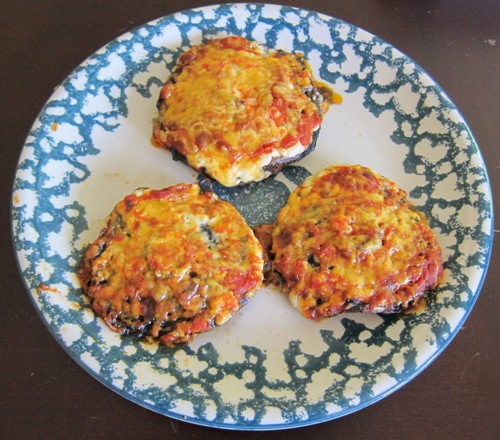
x,y
45,394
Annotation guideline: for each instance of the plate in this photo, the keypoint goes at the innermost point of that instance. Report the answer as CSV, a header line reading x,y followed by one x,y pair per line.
x,y
268,368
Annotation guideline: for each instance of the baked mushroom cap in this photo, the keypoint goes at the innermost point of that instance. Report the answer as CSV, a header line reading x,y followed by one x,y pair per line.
x,y
171,263
239,112
349,240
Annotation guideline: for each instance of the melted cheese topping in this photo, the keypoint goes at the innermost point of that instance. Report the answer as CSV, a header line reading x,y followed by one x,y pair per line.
x,y
348,239
230,109
172,263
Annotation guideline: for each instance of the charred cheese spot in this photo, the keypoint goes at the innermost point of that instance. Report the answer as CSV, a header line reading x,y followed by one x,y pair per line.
x,y
349,240
171,263
231,109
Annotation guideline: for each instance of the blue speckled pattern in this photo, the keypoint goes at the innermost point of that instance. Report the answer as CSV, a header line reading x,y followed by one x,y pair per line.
x,y
268,368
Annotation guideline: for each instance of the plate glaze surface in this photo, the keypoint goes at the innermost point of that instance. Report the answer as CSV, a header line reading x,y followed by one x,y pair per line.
x,y
268,368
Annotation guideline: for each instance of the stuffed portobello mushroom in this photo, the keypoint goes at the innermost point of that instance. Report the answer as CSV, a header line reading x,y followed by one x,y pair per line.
x,y
349,240
239,112
170,264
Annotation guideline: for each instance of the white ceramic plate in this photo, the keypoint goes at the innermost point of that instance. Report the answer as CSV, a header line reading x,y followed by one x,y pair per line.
x,y
268,368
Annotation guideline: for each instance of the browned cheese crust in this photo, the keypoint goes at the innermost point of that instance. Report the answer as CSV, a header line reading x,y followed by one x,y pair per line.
x,y
349,240
238,113
171,263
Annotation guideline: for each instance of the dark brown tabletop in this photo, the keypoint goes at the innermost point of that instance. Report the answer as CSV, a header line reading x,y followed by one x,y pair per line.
x,y
46,394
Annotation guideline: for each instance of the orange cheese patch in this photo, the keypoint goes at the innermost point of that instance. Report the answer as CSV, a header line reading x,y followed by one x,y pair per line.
x,y
230,108
349,240
172,263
